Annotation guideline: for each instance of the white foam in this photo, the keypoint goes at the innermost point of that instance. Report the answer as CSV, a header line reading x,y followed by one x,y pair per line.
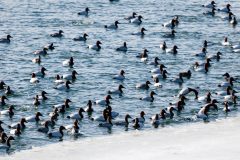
x,y
216,141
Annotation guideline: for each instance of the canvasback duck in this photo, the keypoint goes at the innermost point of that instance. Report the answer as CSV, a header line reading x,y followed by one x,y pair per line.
x,y
228,83
163,46
170,35
41,73
233,21
124,122
103,117
149,98
141,33
58,80
9,91
81,38
157,83
170,24
137,20
36,101
226,92
170,113
78,115
162,75
143,55
96,47
66,104
50,46
64,86
131,17
143,85
158,118
42,96
34,118
112,26
141,119
225,42
84,13
117,91
187,74
216,56
210,5
2,100
187,90
159,70
137,124
68,62
211,12
6,40
105,101
70,76
155,62
89,108
22,124
226,107
57,134
206,98
2,85
225,9
178,80
107,124
58,34
120,76
45,128
42,52
172,50
37,60
8,112
122,48
202,53
204,69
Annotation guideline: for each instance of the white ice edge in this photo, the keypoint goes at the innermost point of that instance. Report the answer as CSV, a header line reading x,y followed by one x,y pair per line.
x,y
213,141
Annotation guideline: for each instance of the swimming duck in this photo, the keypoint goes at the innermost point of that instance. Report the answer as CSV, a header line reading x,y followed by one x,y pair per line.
x,y
8,142
37,60
170,35
226,107
202,54
8,112
45,128
216,56
149,98
34,118
137,20
42,96
50,46
163,46
16,131
158,118
157,83
112,26
125,122
141,33
122,48
226,42
187,74
58,80
178,80
95,47
66,104
34,79
6,40
210,5
111,113
207,63
104,102
179,105
226,92
141,119
228,83
211,12
233,21
176,20
131,17
170,113
55,111
159,75
212,104
120,76
205,44
206,98
89,108
70,76
3,137
143,85
57,134
78,115
64,86
229,17
170,24
22,124
155,62
203,113
107,124
42,52
187,90
73,128
2,100
2,84
203,69
36,101
159,70
232,99
41,72
84,13
81,38
137,124
9,91
225,9
172,50
58,34
117,91
1,128
231,96
68,62
103,117
143,55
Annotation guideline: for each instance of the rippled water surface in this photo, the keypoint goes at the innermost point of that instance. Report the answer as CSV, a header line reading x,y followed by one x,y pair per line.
x,y
31,21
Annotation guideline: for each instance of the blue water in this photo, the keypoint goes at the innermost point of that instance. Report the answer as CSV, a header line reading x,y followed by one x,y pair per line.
x,y
31,21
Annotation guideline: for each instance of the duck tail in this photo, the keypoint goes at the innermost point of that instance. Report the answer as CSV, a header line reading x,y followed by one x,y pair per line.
x,y
68,117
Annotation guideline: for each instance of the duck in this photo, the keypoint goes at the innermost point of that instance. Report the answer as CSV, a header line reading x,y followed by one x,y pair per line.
x,y
57,134
231,96
118,91
42,52
124,122
120,76
157,83
225,9
172,50
34,118
226,92
2,85
163,46
159,75
207,63
8,142
185,91
42,96
216,56
37,60
233,21
141,119
2,100
81,38
170,24
206,98
112,26
232,99
36,101
66,104
9,91
58,80
45,128
155,121
229,17
144,54
6,40
8,112
155,62
170,35
106,124
159,70
187,74
170,113
89,108
143,85
73,128
55,111
50,46
137,124
141,33
211,12
179,105
1,128
203,69
22,124
68,62
212,104
236,46
131,17
16,131
58,34
178,80
105,101
149,98
210,5
96,47
78,115
202,54
3,137
41,73
137,20
84,13
111,113
228,83
64,86
226,107
225,42
70,76
203,113
123,48
103,117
